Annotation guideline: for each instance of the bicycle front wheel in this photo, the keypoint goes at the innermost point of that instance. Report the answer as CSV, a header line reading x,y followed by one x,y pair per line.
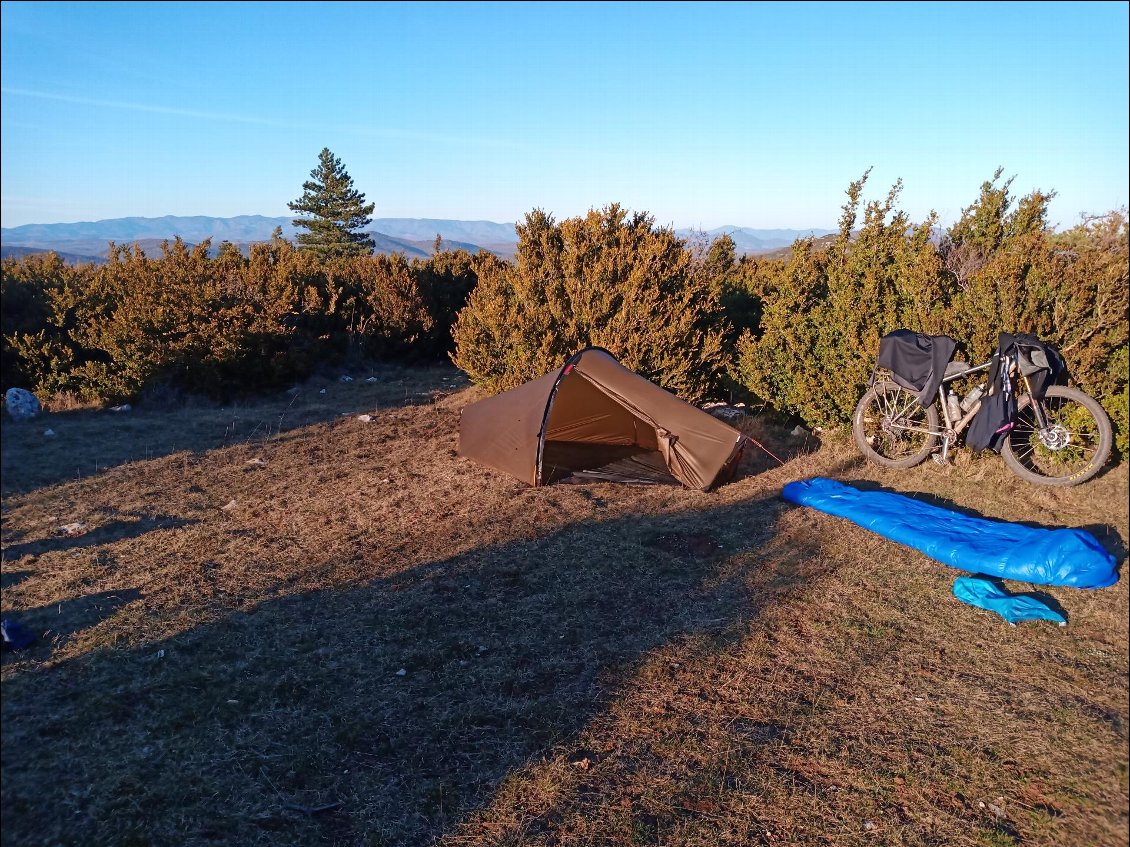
x,y
1070,449
892,428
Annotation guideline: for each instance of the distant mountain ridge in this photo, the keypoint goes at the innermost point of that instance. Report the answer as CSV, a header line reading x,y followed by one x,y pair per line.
x,y
88,240
754,241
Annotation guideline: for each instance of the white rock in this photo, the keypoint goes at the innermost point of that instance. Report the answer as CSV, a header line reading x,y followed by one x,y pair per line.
x,y
48,433
365,418
22,405
723,411
345,378
257,462
71,529
323,391
371,380
125,407
231,504
402,672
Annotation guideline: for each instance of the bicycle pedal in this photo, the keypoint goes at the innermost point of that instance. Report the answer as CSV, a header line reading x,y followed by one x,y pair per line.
x,y
939,459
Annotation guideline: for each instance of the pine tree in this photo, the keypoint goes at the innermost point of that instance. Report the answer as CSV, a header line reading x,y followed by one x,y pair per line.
x,y
335,212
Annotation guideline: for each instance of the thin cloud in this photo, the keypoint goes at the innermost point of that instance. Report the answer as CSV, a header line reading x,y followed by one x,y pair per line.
x,y
227,117
146,107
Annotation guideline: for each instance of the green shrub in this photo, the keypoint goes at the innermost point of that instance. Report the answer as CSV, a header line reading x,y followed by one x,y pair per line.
x,y
997,269
29,287
609,279
219,325
823,313
1069,289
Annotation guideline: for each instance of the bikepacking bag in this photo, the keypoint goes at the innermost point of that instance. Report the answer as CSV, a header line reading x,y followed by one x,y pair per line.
x,y
917,362
1037,360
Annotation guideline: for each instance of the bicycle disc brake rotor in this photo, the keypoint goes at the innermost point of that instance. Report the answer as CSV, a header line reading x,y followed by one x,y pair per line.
x,y
1055,437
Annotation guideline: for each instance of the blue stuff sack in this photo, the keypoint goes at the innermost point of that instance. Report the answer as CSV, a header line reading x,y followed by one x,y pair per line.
x,y
986,594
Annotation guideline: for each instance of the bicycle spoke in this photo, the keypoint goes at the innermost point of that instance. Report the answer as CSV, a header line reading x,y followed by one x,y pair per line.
x,y
894,424
1067,445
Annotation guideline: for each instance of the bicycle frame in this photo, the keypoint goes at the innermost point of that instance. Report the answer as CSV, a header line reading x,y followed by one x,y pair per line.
x,y
953,428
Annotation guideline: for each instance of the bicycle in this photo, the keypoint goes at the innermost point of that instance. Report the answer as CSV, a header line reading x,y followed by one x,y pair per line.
x,y
1063,439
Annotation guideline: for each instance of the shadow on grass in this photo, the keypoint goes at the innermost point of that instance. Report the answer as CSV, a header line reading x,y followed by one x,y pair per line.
x,y
87,442
9,579
380,714
104,534
58,622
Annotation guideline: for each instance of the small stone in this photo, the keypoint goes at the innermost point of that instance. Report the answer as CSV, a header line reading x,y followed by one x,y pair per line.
x,y
48,433
231,504
402,672
22,405
71,529
160,654
371,380
345,378
323,391
868,825
365,418
257,462
125,407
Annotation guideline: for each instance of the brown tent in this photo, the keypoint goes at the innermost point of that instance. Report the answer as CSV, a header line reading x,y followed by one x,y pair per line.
x,y
595,419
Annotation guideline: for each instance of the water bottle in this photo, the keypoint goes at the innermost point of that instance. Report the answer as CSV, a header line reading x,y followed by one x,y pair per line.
x,y
953,406
972,397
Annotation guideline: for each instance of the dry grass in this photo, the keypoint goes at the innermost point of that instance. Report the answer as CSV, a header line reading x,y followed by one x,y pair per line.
x,y
222,644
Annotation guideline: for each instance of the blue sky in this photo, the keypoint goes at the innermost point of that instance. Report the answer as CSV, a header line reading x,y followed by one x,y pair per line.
x,y
701,114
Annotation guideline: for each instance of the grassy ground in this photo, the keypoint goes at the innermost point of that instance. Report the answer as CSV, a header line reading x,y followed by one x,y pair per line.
x,y
279,624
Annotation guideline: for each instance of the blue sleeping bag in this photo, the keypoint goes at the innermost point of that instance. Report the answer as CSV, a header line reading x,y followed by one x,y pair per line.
x,y
1068,557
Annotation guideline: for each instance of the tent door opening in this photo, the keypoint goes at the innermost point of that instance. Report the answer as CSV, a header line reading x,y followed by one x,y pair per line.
x,y
589,436
570,461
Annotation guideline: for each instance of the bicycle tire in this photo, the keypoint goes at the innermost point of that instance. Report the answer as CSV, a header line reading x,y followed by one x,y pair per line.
x,y
1078,421
880,422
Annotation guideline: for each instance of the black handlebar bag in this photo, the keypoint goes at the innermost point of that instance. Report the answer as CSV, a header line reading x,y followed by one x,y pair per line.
x,y
917,362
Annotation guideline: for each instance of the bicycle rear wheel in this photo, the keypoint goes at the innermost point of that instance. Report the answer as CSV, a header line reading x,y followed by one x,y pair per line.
x,y
891,428
1071,449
